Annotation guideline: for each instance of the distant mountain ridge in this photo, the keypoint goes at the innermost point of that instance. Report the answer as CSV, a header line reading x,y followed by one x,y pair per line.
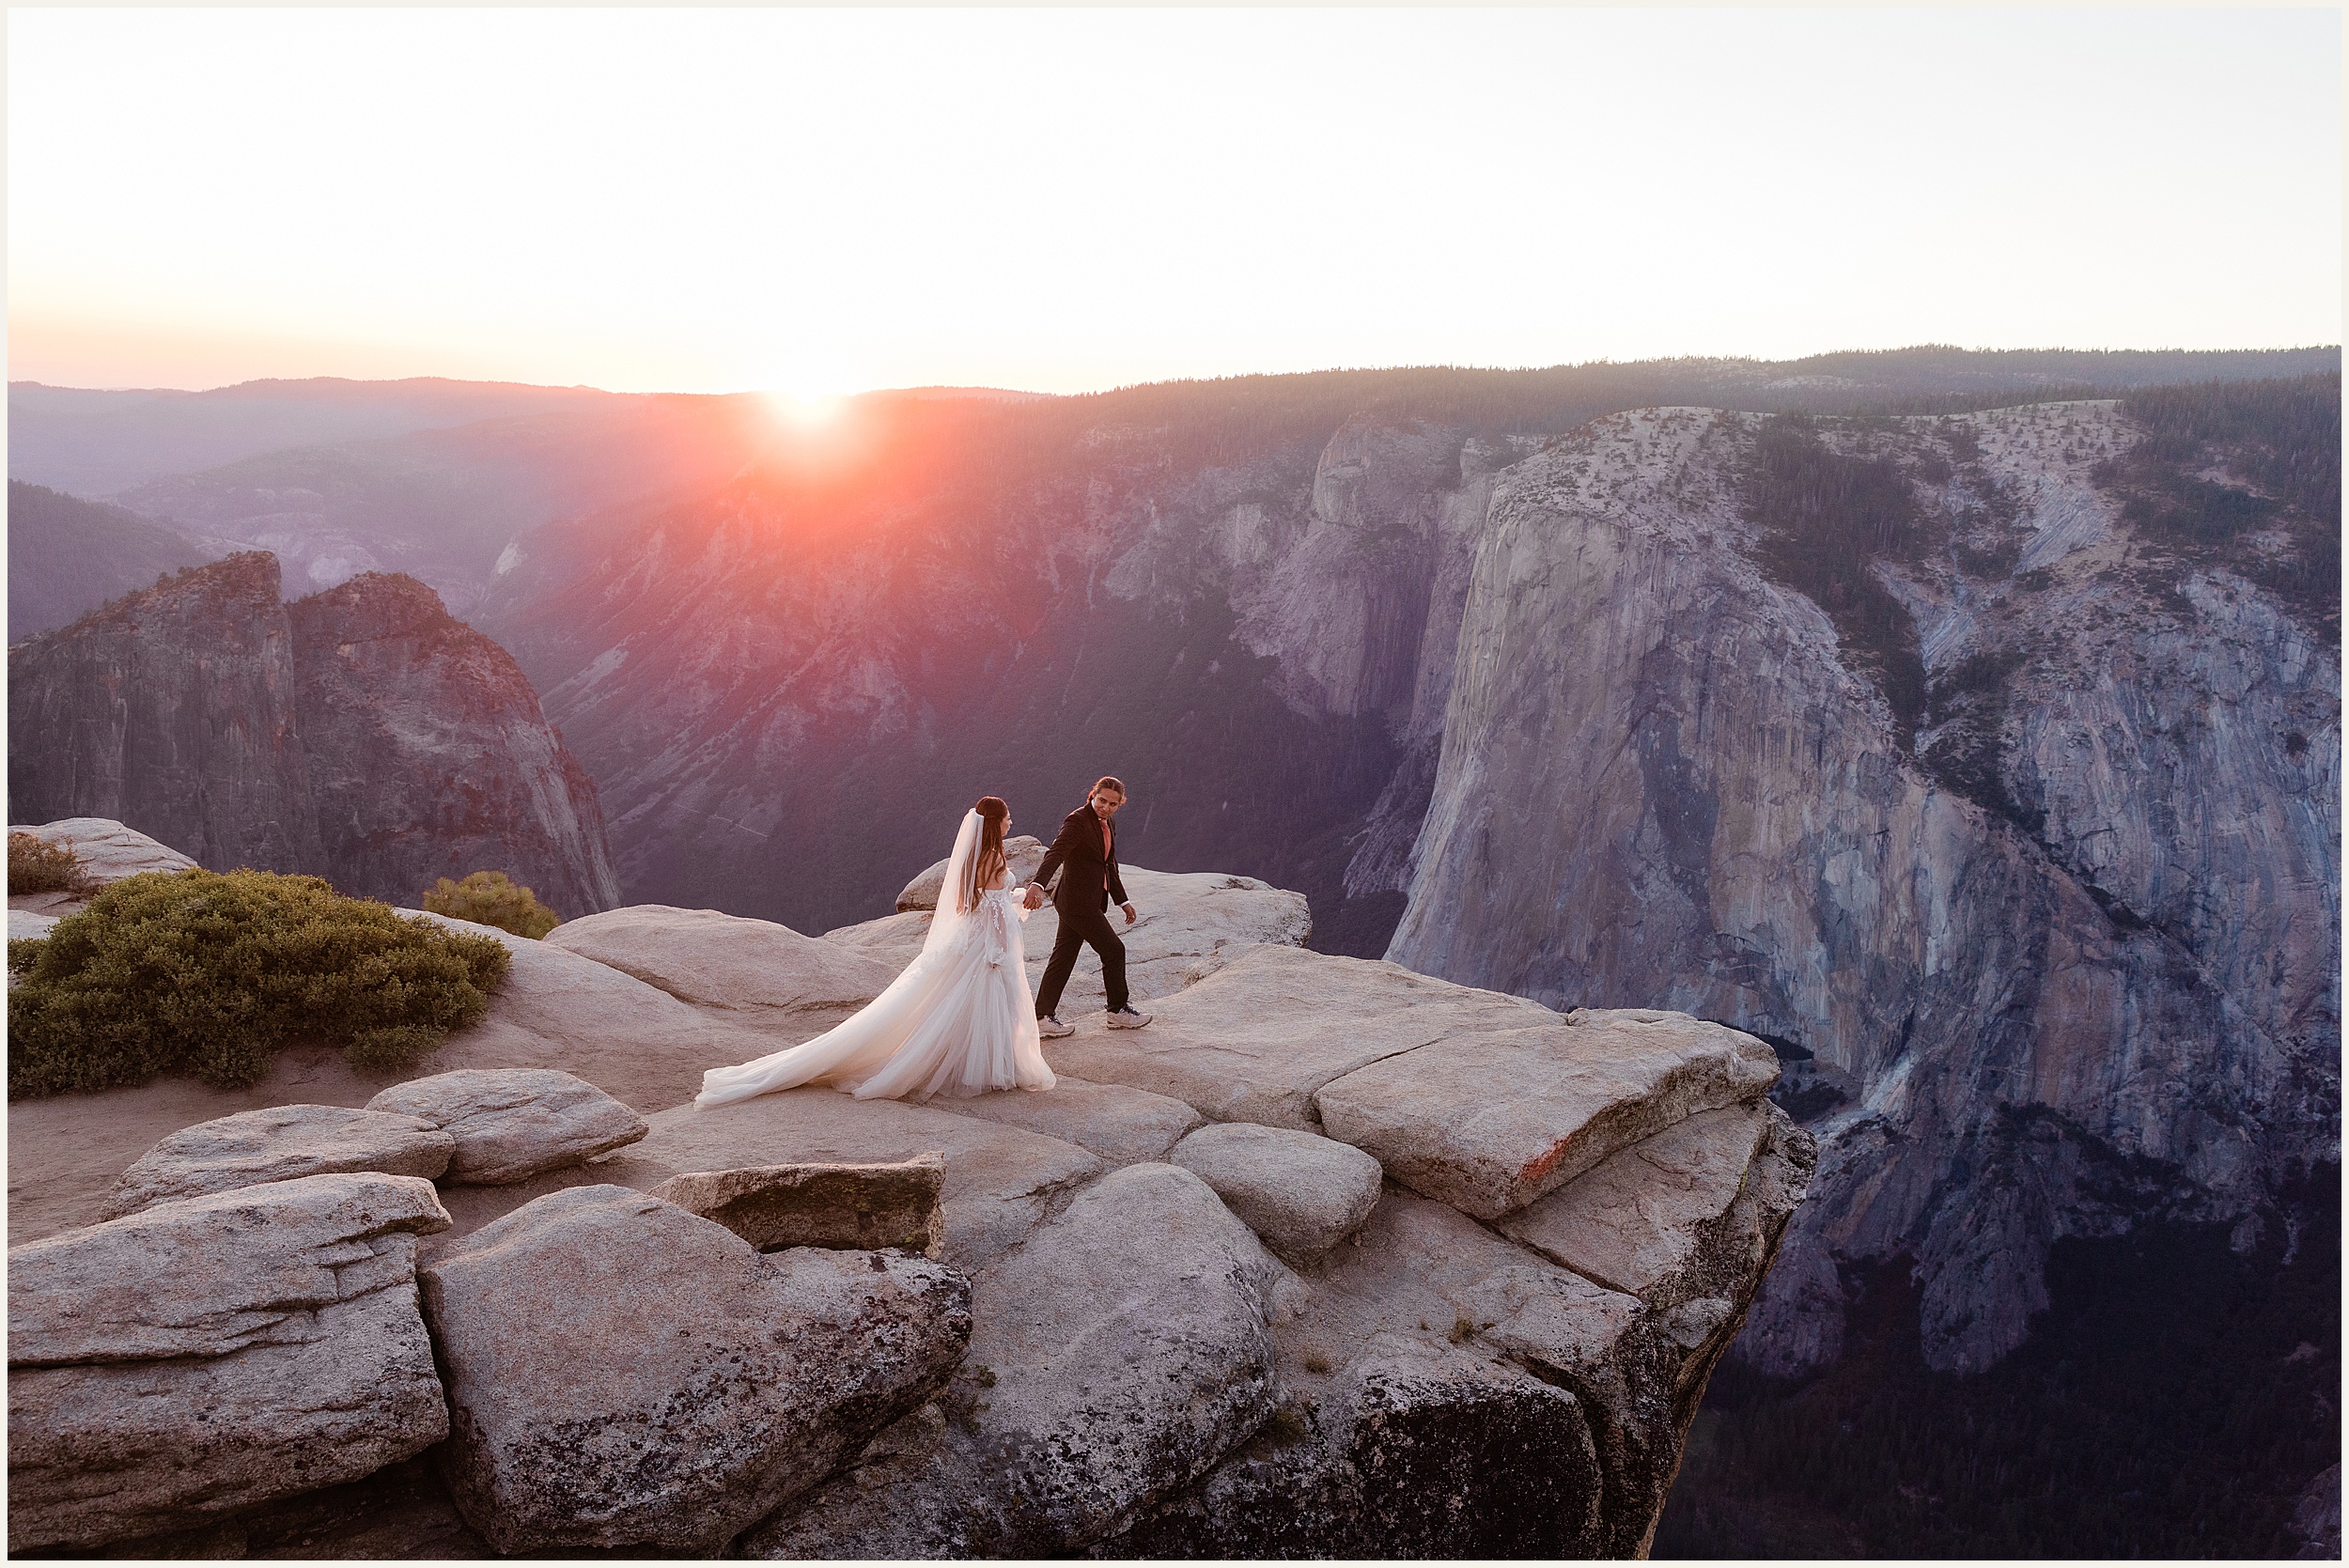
x,y
67,556
99,442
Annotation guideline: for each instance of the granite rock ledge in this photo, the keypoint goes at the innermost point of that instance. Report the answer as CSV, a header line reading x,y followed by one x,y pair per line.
x,y
1336,1260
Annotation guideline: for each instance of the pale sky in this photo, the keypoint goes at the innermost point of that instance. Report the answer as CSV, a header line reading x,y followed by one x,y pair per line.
x,y
824,201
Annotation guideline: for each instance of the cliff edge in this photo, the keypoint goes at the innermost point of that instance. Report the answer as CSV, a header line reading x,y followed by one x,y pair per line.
x,y
1335,1259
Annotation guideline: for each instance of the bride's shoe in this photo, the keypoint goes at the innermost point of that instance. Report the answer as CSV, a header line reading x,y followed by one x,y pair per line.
x,y
1053,1028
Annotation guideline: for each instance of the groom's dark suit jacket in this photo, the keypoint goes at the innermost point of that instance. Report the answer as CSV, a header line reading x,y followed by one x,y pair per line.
x,y
1088,877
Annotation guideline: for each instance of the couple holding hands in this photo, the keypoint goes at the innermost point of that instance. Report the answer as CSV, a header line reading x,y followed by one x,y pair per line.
x,y
959,1019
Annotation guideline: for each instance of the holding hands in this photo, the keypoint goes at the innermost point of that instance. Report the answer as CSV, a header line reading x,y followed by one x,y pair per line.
x,y
1035,901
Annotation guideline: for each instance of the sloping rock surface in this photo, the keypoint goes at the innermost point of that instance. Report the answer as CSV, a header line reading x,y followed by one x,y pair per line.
x,y
24,924
510,1122
760,974
215,1353
109,851
624,1374
278,1144
1191,924
560,1010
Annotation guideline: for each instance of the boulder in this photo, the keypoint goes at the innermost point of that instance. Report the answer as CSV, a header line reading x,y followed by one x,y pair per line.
x,y
109,851
215,1353
1114,1357
511,1122
760,974
623,1374
1418,1452
1404,1428
1125,1127
1303,1194
278,1144
854,1207
1254,1040
1638,1217
1024,852
1191,923
1487,1123
1001,1181
633,1040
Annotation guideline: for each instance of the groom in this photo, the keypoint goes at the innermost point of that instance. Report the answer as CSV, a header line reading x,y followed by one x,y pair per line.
x,y
1085,855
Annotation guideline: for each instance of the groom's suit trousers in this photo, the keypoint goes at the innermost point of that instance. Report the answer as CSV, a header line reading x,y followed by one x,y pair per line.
x,y
1082,928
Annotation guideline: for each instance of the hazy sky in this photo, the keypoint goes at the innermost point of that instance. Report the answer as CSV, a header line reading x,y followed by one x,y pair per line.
x,y
830,201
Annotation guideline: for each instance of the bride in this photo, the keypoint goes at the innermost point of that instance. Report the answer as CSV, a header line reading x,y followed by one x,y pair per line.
x,y
958,1020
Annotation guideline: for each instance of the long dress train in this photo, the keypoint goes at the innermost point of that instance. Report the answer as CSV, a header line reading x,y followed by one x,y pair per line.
x,y
959,1019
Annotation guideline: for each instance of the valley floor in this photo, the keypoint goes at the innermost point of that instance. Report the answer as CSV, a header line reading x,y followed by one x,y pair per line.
x,y
2176,1400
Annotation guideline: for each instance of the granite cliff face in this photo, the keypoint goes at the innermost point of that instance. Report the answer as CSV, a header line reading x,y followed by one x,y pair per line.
x,y
171,710
2057,946
361,734
430,756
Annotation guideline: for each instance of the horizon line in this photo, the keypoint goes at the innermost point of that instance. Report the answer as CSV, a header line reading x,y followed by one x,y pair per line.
x,y
978,390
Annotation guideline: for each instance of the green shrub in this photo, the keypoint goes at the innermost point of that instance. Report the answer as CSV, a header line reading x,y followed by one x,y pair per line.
x,y
37,865
191,971
490,898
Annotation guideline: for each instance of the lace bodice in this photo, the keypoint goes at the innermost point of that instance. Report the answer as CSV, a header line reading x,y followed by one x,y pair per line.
x,y
991,923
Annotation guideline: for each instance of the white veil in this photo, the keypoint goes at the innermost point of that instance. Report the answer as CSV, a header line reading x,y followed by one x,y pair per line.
x,y
959,1019
947,924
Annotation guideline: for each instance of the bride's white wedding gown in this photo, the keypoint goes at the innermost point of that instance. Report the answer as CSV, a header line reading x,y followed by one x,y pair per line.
x,y
959,1019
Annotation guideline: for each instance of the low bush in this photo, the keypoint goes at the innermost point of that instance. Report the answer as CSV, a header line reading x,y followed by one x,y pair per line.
x,y
493,898
37,865
192,972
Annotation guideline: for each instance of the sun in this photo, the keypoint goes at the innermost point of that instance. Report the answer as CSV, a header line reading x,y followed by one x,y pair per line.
x,y
806,411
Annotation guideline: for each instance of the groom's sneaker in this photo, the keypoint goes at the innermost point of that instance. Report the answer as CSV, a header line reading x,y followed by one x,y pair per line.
x,y
1053,1028
1126,1017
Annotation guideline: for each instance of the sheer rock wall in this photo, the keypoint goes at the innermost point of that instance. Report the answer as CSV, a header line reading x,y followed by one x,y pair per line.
x,y
2097,985
361,734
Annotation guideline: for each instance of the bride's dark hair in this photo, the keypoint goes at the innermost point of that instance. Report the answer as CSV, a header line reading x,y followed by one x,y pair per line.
x,y
989,862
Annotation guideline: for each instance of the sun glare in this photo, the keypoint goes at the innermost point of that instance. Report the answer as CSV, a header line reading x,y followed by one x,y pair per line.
x,y
805,411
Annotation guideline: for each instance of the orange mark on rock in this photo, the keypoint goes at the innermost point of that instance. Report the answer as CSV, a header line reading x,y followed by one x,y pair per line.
x,y
1543,1164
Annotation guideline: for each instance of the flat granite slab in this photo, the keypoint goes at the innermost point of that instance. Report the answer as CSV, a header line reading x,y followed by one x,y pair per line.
x,y
1125,1127
1489,1121
999,1180
1257,1039
1634,1219
1192,922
